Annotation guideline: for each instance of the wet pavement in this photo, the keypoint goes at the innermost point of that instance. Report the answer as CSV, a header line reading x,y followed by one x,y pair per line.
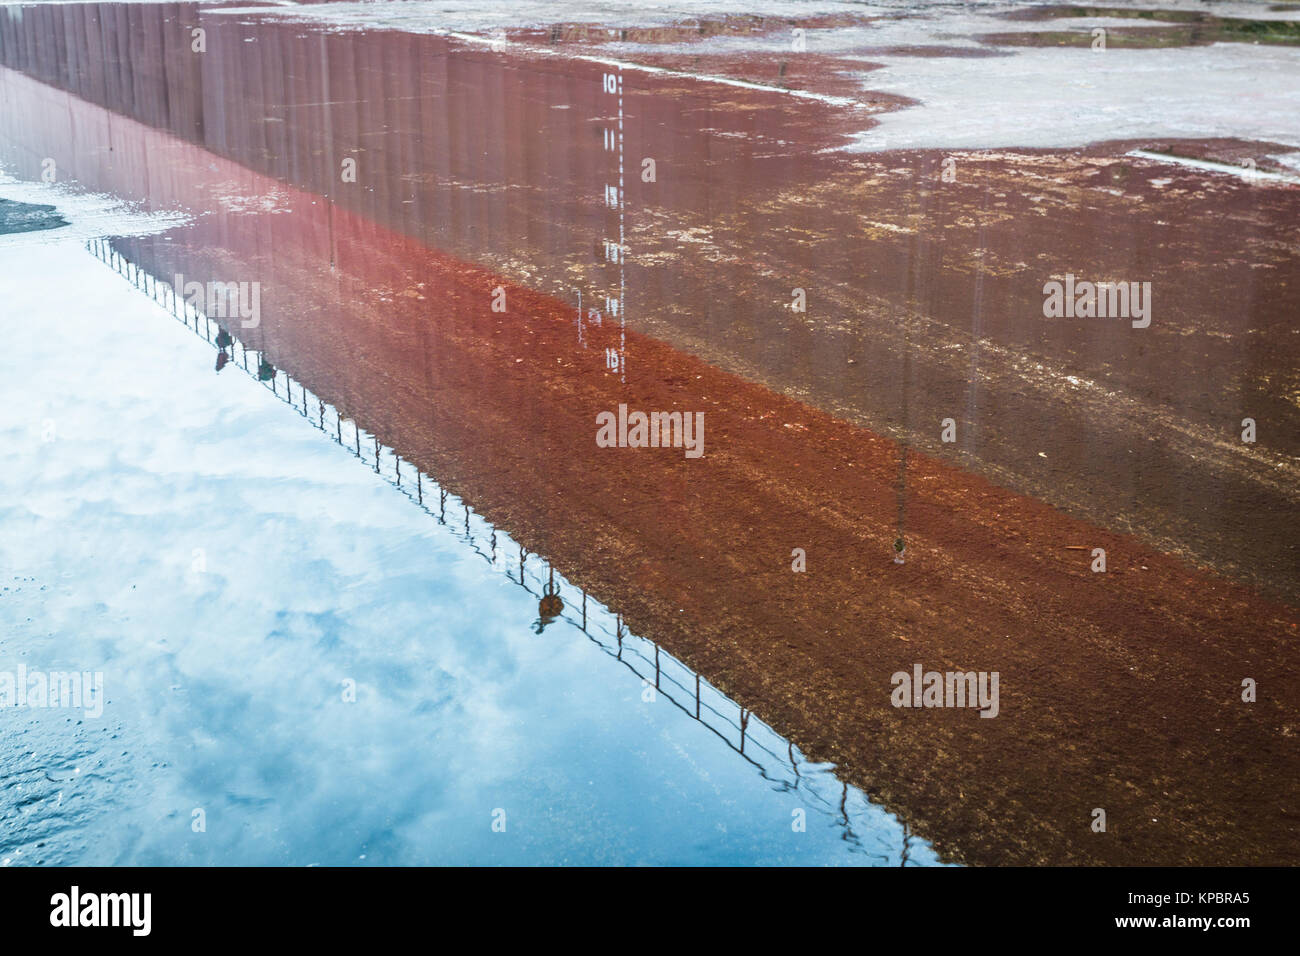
x,y
483,166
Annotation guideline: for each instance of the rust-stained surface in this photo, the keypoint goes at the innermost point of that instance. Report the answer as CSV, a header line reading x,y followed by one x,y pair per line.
x,y
483,168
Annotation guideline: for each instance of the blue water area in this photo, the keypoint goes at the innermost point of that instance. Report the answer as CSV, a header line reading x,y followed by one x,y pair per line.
x,y
303,665
27,217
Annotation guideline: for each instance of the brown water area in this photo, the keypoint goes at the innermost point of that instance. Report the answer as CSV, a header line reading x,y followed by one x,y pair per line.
x,y
482,170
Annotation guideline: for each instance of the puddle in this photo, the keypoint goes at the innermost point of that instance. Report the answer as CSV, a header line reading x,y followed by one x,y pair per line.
x,y
266,566
446,258
27,217
1160,28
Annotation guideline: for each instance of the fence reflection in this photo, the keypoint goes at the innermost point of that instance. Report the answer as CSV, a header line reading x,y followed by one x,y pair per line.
x,y
867,827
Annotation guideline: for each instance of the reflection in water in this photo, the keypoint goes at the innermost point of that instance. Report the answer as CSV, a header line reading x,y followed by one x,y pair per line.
x,y
776,760
224,341
550,606
495,158
18,217
483,172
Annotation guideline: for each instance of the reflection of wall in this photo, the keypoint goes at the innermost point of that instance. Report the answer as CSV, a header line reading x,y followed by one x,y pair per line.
x,y
495,159
501,408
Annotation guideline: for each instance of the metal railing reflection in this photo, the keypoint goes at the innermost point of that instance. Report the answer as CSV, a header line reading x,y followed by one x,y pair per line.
x,y
866,826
